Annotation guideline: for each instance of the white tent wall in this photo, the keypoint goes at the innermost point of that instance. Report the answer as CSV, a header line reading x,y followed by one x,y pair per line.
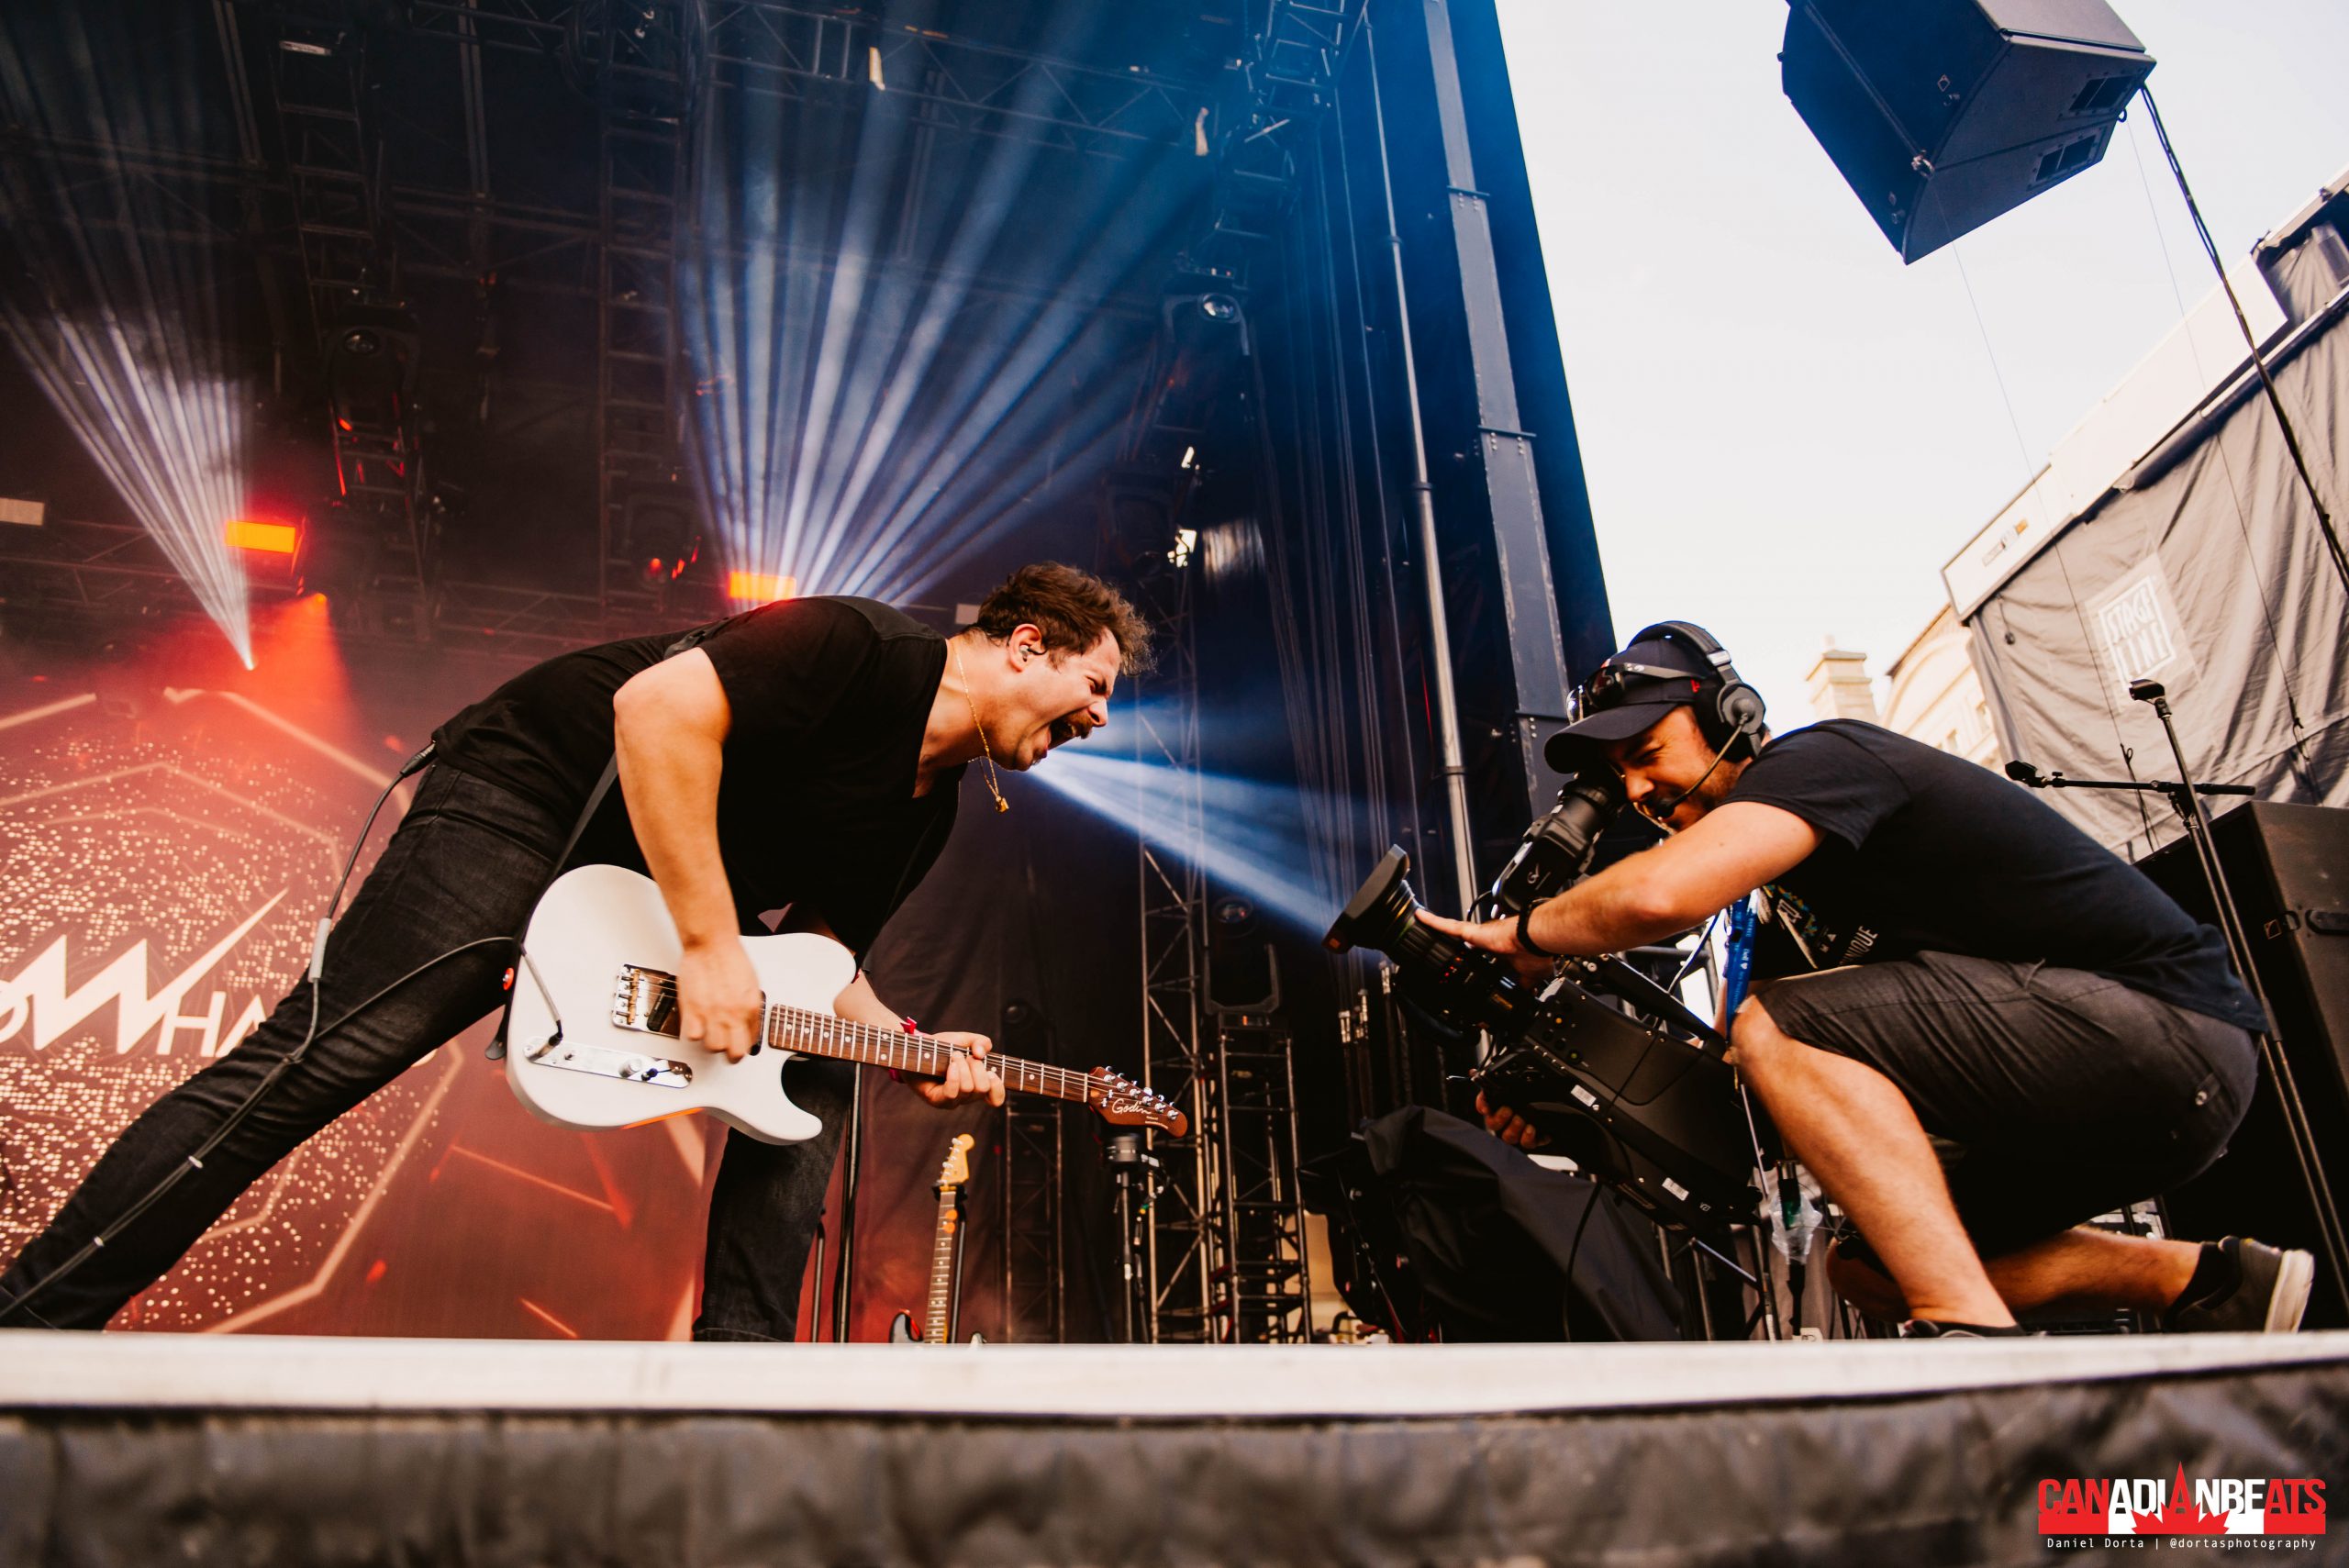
x,y
2210,575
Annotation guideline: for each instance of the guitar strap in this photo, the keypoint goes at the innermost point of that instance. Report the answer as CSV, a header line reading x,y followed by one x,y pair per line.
x,y
496,1050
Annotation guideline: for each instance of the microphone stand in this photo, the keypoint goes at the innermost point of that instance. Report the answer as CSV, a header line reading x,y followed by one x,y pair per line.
x,y
2271,1045
1129,1166
2186,798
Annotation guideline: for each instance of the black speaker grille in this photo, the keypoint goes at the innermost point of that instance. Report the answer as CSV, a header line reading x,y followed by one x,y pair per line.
x,y
2105,94
2073,155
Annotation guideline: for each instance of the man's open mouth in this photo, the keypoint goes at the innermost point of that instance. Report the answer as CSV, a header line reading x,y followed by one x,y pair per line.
x,y
1065,731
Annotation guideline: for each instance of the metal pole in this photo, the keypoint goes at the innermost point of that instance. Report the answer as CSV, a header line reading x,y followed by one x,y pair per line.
x,y
842,1295
816,1288
1447,705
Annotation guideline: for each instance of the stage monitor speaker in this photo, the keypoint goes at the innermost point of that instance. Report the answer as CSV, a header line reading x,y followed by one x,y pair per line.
x,y
2287,867
1943,113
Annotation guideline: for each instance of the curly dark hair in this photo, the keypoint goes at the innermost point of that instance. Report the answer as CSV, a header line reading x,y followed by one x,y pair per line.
x,y
1072,608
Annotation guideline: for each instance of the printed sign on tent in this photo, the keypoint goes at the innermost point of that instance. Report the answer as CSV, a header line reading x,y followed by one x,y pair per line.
x,y
2137,634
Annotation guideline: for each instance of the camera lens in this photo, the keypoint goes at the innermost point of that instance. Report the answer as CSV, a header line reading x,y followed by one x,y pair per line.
x,y
1381,910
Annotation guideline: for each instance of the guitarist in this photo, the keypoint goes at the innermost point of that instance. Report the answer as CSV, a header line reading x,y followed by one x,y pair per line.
x,y
802,757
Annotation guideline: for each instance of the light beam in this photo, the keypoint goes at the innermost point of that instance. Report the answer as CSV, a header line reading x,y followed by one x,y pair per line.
x,y
119,325
1253,839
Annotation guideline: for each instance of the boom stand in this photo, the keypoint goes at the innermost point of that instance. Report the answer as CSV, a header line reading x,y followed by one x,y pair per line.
x,y
2188,800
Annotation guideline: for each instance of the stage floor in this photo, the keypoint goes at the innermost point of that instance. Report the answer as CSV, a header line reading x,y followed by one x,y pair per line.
x,y
1175,1383
140,1447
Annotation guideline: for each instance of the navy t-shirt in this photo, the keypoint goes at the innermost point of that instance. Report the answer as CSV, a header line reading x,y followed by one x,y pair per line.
x,y
1922,851
815,804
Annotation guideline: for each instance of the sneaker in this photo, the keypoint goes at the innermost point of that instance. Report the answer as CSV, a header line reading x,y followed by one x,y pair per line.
x,y
1931,1328
2269,1293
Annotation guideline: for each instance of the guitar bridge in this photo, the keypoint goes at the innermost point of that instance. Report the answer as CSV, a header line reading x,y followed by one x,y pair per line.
x,y
645,1000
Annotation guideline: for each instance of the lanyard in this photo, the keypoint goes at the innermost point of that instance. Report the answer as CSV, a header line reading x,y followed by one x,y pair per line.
x,y
1737,968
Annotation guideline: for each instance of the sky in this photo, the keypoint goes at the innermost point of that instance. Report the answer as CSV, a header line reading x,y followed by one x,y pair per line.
x,y
1787,432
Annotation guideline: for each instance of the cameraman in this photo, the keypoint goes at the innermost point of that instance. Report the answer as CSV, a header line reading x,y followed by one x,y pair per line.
x,y
1945,960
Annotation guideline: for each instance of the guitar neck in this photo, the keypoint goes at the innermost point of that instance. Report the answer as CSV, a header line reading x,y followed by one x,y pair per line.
x,y
822,1034
941,1268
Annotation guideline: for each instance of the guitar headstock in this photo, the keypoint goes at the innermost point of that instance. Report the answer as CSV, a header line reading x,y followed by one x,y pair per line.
x,y
1123,1103
957,1167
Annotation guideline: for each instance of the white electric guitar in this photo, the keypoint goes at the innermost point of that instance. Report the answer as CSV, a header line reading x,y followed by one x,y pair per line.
x,y
593,1039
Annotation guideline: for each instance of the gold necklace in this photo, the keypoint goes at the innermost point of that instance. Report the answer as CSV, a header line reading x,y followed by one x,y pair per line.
x,y
993,789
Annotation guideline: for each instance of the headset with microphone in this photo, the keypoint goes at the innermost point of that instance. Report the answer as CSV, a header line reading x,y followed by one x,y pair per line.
x,y
1732,722
1731,716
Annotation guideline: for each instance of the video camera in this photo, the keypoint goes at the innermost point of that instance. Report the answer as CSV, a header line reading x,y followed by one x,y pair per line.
x,y
1650,1108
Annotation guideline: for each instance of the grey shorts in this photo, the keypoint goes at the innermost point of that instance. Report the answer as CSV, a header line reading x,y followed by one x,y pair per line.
x,y
2054,1094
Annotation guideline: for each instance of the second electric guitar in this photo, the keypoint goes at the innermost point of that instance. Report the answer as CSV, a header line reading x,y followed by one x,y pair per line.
x,y
938,1320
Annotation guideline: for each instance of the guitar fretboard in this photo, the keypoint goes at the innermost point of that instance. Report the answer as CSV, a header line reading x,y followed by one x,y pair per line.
x,y
941,1267
823,1034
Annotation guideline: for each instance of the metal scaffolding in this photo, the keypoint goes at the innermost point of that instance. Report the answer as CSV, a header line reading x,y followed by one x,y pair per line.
x,y
1264,1289
368,345
1179,1241
1223,1243
966,85
1034,1265
327,195
646,78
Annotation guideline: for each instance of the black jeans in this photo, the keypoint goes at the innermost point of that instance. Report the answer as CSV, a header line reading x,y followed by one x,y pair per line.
x,y
468,861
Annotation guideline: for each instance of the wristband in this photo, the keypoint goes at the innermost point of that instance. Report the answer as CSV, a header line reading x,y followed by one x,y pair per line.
x,y
1525,935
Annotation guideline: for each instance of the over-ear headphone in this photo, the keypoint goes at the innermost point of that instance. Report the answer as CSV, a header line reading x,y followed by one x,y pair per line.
x,y
1732,723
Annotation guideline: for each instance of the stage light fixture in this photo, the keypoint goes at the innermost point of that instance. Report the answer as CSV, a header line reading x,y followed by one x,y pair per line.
x,y
23,511
1219,308
760,587
335,556
660,531
266,538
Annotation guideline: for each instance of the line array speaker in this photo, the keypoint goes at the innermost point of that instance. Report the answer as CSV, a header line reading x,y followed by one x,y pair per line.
x,y
1943,113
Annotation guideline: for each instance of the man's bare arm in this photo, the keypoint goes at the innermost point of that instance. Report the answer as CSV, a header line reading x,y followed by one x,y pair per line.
x,y
1732,850
669,728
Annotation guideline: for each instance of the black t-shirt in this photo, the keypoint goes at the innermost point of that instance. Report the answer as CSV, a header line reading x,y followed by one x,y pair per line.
x,y
815,804
1923,852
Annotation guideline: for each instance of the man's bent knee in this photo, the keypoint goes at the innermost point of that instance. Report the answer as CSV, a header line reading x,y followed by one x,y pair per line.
x,y
1756,1041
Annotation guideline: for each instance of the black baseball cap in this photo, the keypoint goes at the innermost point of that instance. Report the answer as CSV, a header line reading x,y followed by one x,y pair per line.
x,y
1629,691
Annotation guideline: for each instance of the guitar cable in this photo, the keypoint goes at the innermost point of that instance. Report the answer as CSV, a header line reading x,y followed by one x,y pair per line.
x,y
283,1064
